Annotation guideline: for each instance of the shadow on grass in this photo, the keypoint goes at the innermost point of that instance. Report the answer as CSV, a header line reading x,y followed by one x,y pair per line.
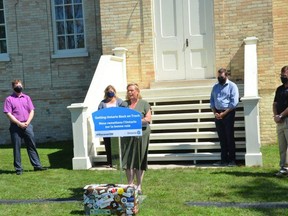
x,y
245,174
63,157
77,193
262,191
263,186
77,212
6,172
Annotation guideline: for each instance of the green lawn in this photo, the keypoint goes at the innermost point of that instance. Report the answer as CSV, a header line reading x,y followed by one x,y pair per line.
x,y
167,190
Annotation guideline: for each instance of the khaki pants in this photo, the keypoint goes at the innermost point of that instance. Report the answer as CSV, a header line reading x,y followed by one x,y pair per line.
x,y
282,133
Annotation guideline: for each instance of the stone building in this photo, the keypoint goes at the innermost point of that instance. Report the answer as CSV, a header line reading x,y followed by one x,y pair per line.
x,y
54,47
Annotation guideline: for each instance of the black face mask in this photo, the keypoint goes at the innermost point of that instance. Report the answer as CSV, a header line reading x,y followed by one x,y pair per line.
x,y
221,80
18,89
284,80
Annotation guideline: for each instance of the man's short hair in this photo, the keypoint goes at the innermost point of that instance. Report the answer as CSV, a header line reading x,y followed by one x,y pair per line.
x,y
223,70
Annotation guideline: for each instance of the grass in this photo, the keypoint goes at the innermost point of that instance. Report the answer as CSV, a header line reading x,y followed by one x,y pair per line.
x,y
167,190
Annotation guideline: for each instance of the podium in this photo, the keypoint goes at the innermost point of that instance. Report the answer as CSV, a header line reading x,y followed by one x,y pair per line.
x,y
110,198
117,122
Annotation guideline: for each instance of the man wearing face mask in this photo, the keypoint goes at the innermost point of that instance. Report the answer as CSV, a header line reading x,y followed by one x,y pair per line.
x,y
280,112
110,100
20,111
223,102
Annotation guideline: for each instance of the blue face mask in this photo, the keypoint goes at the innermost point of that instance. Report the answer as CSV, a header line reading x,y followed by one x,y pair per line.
x,y
110,94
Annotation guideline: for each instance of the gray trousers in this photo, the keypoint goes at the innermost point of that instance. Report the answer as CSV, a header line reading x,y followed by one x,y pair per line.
x,y
282,133
17,134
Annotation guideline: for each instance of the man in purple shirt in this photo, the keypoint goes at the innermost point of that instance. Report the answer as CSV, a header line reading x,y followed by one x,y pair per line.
x,y
20,111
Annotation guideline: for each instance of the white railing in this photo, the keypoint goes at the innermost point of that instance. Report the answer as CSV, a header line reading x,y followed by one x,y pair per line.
x,y
111,70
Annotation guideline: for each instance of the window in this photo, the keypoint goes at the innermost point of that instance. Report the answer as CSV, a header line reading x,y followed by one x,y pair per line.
x,y
69,31
3,39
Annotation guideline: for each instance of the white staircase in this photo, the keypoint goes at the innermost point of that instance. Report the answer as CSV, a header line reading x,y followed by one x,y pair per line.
x,y
183,127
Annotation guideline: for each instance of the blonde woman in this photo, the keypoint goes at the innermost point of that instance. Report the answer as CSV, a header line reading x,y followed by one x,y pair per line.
x,y
135,149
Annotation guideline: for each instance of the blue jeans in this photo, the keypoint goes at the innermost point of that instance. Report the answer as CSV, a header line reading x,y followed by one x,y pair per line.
x,y
17,134
225,130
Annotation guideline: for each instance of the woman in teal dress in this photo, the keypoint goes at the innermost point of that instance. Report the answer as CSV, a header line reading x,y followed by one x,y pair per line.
x,y
135,149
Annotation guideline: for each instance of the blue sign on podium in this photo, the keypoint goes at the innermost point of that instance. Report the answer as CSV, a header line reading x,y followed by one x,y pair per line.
x,y
117,122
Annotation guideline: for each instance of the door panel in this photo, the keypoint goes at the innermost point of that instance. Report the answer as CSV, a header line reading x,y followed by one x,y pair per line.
x,y
198,32
184,40
169,40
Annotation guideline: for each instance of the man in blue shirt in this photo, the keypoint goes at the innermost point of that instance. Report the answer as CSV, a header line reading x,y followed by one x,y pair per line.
x,y
223,102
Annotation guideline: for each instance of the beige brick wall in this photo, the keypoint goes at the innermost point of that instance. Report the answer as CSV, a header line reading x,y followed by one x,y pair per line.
x,y
53,84
280,18
126,24
280,50
234,21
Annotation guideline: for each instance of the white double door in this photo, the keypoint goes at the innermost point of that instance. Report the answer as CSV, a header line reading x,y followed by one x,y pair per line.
x,y
184,39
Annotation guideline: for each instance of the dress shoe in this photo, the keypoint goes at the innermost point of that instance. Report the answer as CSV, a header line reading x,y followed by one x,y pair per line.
x,y
282,172
19,172
232,164
39,168
220,163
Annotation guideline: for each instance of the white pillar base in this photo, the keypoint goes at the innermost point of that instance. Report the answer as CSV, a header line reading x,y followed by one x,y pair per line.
x,y
80,163
253,159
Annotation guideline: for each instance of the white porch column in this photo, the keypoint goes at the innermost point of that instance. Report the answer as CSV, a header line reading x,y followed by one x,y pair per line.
x,y
81,159
253,156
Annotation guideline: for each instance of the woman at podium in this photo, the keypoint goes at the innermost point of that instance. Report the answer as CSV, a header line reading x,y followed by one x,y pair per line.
x,y
135,149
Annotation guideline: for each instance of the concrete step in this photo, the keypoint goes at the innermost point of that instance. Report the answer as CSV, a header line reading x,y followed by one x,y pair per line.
x,y
190,125
183,83
204,115
190,146
203,156
174,107
190,156
180,107
191,135
180,146
191,91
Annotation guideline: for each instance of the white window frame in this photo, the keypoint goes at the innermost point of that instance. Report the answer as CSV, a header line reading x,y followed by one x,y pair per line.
x,y
67,53
4,56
